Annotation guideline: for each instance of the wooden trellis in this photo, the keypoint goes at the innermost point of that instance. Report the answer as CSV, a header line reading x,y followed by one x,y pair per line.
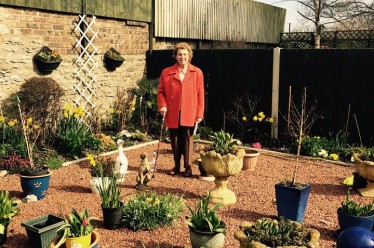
x,y
85,76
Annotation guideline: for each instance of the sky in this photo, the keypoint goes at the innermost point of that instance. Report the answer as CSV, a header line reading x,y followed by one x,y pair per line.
x,y
291,17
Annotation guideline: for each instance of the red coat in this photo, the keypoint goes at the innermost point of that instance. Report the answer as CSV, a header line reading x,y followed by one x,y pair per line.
x,y
188,97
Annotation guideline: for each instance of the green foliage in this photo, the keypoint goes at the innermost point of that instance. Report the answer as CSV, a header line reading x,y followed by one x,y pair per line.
x,y
53,163
8,209
312,145
350,207
205,132
275,233
364,153
205,219
73,136
49,56
76,225
223,142
150,210
101,166
139,136
113,54
146,115
110,191
11,137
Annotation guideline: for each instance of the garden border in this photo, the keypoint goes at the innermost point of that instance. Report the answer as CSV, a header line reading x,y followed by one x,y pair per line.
x,y
153,142
288,155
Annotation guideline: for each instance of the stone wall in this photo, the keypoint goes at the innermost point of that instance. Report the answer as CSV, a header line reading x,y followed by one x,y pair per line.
x,y
24,31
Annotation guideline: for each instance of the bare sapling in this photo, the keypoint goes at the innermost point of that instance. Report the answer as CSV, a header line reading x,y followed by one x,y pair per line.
x,y
301,121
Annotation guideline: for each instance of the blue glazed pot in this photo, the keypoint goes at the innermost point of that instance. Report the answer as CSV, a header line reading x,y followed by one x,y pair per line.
x,y
291,202
347,220
35,185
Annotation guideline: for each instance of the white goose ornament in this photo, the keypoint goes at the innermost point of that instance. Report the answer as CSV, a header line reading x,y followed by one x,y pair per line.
x,y
122,162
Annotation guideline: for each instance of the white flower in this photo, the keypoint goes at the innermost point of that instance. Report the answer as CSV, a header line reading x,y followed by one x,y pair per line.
x,y
323,153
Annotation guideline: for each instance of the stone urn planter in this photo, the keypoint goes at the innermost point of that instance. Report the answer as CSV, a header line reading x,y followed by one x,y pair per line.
x,y
366,170
312,235
222,167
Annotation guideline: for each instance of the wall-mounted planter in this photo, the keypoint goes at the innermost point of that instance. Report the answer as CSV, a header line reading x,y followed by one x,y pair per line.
x,y
47,60
113,59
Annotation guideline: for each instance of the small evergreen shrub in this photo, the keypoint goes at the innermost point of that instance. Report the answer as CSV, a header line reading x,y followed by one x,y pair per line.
x,y
150,210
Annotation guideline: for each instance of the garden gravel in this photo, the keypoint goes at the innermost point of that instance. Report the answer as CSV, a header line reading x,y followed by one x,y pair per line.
x,y
69,188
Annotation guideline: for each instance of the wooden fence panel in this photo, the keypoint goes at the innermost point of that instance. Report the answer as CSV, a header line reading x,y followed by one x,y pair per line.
x,y
335,78
70,6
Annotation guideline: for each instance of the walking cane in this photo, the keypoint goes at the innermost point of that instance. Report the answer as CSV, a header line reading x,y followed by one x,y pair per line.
x,y
158,145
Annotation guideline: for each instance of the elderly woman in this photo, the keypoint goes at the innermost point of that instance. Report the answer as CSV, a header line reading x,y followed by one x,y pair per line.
x,y
181,102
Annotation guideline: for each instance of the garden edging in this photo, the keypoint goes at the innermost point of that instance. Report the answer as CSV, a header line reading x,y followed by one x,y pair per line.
x,y
282,155
112,152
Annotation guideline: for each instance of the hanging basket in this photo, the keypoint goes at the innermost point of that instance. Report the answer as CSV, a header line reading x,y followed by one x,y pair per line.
x,y
46,60
113,59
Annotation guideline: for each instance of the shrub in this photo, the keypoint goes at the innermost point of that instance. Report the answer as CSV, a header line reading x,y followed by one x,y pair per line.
x,y
311,146
41,99
275,233
151,210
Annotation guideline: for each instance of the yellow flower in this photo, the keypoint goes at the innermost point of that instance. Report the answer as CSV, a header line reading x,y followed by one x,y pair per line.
x,y
244,118
67,107
2,118
76,116
29,121
148,200
91,159
255,118
334,156
12,122
111,111
271,119
157,201
66,114
118,111
36,126
261,115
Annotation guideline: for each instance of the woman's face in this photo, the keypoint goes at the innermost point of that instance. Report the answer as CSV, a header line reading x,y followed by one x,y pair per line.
x,y
183,56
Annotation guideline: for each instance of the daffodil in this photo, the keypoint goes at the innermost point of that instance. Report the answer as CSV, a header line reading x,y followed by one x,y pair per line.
x,y
255,118
36,126
244,118
91,159
111,111
270,120
334,156
148,200
29,121
157,201
261,115
2,119
13,122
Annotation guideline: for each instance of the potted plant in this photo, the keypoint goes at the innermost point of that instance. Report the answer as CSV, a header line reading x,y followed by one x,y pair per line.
x,y
47,60
352,213
8,209
292,196
266,232
222,159
206,228
42,230
34,177
110,193
76,231
113,59
100,167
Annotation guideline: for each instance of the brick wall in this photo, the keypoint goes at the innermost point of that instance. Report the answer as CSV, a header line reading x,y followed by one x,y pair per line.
x,y
23,32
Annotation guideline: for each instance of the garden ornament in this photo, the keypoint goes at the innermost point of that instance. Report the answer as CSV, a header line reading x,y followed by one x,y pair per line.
x,y
122,162
143,176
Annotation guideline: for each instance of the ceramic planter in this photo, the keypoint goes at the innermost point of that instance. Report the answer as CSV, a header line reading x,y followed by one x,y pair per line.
x,y
241,236
95,239
206,239
35,185
222,167
250,160
3,236
46,66
347,220
291,202
42,229
112,217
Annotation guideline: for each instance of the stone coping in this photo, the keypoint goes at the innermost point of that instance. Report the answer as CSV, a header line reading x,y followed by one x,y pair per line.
x,y
153,142
283,155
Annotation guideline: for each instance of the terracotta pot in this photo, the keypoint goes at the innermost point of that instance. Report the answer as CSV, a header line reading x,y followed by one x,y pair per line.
x,y
250,160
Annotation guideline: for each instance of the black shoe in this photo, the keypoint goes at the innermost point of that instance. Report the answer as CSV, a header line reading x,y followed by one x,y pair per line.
x,y
174,171
188,172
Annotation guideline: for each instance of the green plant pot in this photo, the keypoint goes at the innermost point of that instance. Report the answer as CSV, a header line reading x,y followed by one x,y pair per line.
x,y
42,229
